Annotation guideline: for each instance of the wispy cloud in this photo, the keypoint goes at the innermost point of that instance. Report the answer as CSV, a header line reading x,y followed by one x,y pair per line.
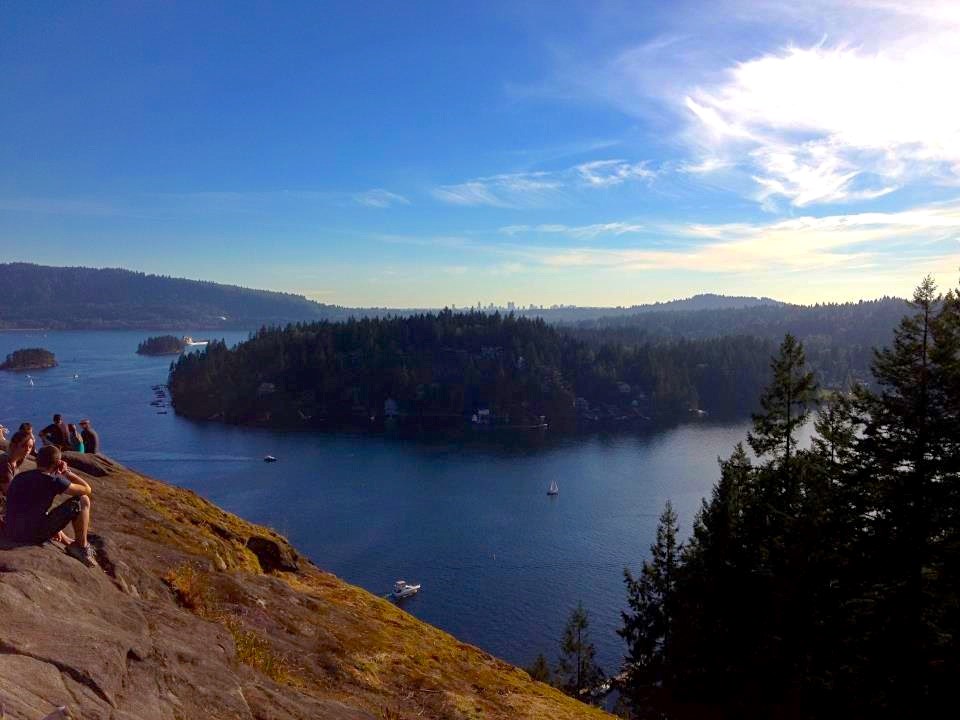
x,y
507,190
895,241
827,124
806,103
380,198
542,188
604,173
575,231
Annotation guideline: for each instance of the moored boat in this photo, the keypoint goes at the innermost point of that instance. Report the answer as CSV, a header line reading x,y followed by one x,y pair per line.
x,y
402,590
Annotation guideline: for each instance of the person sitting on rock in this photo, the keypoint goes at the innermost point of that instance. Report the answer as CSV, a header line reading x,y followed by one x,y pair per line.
x,y
21,444
91,440
76,440
30,519
56,433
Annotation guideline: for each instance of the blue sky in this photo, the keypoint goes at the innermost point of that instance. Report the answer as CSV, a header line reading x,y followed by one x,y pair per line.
x,y
428,154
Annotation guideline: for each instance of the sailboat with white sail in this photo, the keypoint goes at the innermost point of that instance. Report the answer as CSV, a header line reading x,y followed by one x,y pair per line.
x,y
554,489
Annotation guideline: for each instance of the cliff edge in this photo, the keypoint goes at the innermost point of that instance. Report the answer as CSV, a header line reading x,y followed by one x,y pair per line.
x,y
199,614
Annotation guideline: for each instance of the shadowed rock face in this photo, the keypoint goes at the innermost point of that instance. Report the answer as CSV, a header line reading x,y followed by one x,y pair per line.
x,y
273,556
182,622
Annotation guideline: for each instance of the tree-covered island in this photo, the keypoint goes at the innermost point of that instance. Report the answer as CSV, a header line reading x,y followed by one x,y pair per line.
x,y
448,369
29,359
161,345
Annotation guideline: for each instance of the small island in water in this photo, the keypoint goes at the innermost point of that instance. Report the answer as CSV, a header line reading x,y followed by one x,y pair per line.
x,y
161,345
29,359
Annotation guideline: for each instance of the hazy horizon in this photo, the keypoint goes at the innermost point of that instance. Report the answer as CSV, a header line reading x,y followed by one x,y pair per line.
x,y
422,155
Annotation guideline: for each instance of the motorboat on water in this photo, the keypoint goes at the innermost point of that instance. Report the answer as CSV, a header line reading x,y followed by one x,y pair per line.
x,y
269,458
402,590
190,342
554,489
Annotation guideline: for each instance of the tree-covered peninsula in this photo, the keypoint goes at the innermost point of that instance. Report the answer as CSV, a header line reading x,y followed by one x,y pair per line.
x,y
29,359
448,369
161,345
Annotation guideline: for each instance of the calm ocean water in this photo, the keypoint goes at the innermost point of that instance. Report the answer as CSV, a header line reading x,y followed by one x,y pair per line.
x,y
501,563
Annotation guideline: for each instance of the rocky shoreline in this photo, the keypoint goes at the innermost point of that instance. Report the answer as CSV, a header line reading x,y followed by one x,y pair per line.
x,y
200,614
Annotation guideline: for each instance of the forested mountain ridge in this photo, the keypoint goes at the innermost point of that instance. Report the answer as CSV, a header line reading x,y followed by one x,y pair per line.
x,y
838,337
89,298
702,301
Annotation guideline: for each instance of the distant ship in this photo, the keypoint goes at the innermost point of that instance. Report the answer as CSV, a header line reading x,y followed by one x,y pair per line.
x,y
190,342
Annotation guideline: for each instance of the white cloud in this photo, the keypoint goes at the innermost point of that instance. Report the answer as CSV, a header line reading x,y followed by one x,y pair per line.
x,y
925,237
604,173
576,231
829,123
538,189
507,190
380,198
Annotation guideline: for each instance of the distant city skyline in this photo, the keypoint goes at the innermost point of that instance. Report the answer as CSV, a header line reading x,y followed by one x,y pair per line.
x,y
429,154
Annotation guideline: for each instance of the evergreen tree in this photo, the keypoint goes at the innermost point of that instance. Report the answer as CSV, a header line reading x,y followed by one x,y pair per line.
x,y
648,626
540,670
577,670
906,436
785,404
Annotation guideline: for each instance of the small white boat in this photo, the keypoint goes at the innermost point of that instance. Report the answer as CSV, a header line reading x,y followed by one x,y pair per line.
x,y
402,590
554,489
269,458
190,342
30,381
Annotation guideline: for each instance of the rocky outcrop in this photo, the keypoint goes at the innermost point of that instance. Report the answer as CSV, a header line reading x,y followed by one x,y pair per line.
x,y
199,614
272,555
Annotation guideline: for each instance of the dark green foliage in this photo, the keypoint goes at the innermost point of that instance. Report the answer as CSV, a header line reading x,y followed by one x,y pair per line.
x,y
648,625
76,297
540,670
785,403
29,359
577,671
161,345
441,368
823,582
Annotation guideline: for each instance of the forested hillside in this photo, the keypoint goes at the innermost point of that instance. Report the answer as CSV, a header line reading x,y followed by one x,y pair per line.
x,y
822,581
839,337
85,298
444,368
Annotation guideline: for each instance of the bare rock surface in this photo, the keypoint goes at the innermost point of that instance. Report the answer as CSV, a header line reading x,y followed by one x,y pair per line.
x,y
199,614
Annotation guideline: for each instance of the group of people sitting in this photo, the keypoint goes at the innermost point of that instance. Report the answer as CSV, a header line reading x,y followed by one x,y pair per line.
x,y
28,495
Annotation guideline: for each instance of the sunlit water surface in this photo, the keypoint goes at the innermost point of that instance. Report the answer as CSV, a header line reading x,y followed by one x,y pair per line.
x,y
501,563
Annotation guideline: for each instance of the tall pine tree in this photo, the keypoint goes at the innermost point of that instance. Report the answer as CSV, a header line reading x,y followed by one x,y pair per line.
x,y
577,669
648,625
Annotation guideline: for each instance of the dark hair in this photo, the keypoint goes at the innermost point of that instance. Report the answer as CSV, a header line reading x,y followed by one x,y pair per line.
x,y
49,457
27,428
19,437
57,418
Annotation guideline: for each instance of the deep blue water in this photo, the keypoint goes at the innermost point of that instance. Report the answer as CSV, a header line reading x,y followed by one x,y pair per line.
x,y
501,563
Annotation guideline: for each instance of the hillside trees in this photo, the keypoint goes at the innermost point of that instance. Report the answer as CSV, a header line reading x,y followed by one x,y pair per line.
x,y
822,581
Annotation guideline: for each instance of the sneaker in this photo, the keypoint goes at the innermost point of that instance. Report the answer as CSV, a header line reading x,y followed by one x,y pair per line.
x,y
87,555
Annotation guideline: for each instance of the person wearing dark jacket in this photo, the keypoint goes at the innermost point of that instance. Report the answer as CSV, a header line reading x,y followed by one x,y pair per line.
x,y
91,440
56,433
30,517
